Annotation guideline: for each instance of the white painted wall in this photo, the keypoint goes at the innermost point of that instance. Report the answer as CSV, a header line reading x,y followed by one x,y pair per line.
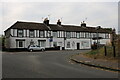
x,y
27,41
27,32
11,31
78,41
11,42
102,41
24,32
15,31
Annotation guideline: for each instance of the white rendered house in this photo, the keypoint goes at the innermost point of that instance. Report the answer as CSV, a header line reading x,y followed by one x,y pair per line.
x,y
22,34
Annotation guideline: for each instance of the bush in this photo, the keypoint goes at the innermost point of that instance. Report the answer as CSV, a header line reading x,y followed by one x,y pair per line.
x,y
94,46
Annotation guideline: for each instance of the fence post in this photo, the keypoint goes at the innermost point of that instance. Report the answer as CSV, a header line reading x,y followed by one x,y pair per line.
x,y
114,53
105,51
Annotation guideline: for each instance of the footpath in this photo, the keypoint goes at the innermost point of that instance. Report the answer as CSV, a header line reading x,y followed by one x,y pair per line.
x,y
99,63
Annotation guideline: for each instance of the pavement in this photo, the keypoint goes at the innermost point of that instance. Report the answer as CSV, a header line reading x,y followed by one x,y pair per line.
x,y
98,63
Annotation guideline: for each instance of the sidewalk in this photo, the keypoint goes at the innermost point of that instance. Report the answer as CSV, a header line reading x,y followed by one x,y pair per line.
x,y
99,63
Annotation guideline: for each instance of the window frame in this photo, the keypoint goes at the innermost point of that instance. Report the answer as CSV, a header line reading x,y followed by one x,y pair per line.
x,y
82,34
55,34
55,44
43,34
18,33
68,34
33,33
68,43
77,35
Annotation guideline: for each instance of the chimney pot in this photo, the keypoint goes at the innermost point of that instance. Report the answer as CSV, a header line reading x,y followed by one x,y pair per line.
x,y
46,21
59,22
83,24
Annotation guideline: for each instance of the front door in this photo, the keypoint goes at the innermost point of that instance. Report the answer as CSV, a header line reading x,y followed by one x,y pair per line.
x,y
78,46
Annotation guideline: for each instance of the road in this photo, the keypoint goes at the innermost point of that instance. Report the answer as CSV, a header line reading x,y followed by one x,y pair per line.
x,y
48,64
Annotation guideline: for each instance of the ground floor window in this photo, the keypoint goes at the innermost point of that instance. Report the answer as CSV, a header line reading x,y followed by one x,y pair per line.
x,y
59,43
20,43
31,42
55,44
42,43
68,44
85,44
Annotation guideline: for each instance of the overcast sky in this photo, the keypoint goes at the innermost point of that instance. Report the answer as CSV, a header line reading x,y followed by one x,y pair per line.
x,y
103,14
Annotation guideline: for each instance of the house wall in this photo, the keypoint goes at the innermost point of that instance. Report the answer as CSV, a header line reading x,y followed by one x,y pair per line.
x,y
102,41
74,41
84,43
27,41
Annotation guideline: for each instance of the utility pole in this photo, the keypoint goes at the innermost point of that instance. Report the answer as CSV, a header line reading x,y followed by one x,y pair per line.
x,y
64,39
113,42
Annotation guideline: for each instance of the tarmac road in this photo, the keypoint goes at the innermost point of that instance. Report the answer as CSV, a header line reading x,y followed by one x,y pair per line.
x,y
48,64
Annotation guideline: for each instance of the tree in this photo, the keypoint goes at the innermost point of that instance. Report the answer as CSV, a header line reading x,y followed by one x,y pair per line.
x,y
2,42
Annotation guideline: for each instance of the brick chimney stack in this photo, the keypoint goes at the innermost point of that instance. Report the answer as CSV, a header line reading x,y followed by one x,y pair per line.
x,y
59,22
46,21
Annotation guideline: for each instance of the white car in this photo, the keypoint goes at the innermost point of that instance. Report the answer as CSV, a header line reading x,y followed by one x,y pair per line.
x,y
35,48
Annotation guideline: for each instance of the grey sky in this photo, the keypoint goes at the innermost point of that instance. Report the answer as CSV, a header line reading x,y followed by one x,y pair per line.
x,y
103,14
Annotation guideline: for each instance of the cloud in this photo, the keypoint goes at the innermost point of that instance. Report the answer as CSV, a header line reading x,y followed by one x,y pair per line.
x,y
104,14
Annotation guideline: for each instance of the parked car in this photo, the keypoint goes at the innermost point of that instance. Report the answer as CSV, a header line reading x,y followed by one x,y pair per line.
x,y
36,48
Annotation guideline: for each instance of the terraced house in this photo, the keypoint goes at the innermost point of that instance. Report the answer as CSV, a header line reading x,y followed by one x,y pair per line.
x,y
22,34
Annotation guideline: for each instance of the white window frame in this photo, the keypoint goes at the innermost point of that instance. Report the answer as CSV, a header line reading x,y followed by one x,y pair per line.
x,y
20,33
31,34
68,45
77,34
55,34
68,35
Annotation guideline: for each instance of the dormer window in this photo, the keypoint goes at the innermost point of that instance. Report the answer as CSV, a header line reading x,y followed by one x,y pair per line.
x,y
20,33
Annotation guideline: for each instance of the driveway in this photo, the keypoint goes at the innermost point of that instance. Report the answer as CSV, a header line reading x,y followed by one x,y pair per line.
x,y
48,64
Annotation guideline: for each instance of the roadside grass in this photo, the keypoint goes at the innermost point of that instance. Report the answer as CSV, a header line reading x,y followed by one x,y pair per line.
x,y
100,53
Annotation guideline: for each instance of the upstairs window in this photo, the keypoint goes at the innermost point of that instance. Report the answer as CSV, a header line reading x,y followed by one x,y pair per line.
x,y
55,34
87,35
41,33
82,34
31,33
68,35
20,33
94,35
106,35
78,35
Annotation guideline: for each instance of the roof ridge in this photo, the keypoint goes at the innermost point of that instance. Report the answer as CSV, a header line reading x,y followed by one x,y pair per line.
x,y
29,22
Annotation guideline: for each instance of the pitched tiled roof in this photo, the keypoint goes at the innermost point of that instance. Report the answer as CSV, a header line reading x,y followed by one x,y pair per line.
x,y
29,25
75,28
55,27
